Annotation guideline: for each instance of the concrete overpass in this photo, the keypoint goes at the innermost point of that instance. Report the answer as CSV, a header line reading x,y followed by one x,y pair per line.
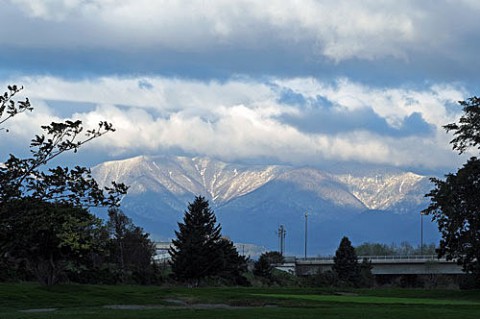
x,y
161,251
381,265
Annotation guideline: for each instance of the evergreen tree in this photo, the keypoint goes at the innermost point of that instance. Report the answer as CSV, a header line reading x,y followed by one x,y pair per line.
x,y
366,278
233,265
274,257
346,262
195,254
262,267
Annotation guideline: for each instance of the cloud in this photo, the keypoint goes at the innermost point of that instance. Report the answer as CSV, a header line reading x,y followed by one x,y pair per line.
x,y
249,119
335,30
50,10
288,81
336,120
392,105
19,131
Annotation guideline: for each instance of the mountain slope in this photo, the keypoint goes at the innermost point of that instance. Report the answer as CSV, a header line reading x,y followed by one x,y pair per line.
x,y
218,181
385,191
252,201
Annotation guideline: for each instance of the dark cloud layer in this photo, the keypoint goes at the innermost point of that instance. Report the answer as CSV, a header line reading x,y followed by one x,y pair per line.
x,y
321,116
388,72
364,81
383,44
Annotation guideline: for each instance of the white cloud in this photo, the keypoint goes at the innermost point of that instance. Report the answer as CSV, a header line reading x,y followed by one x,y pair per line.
x,y
18,131
241,118
50,9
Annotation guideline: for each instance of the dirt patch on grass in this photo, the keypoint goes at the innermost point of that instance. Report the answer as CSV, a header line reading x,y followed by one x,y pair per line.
x,y
191,306
38,310
182,304
345,293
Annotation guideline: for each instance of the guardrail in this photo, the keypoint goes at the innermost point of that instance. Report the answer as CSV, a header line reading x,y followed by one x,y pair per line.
x,y
408,257
370,258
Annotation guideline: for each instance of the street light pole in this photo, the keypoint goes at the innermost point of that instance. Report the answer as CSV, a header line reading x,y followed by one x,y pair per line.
x,y
421,234
281,238
306,232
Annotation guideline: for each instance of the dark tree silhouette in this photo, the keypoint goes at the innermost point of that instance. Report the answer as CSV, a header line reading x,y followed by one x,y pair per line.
x,y
9,107
455,206
233,265
47,237
345,262
366,278
467,130
129,246
455,201
263,267
30,192
199,251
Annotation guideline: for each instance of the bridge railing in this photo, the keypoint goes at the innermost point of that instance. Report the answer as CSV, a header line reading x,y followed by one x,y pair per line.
x,y
403,257
370,258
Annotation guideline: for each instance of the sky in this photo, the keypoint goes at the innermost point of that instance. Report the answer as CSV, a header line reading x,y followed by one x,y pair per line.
x,y
280,81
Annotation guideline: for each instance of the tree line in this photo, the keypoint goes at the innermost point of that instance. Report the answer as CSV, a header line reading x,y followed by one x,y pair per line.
x,y
48,233
402,249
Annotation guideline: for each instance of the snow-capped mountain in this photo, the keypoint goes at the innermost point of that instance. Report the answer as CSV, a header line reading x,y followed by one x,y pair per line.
x,y
218,181
251,201
385,191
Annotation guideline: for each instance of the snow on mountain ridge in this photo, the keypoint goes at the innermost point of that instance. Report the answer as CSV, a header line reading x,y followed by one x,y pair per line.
x,y
250,201
222,182
382,191
218,181
324,185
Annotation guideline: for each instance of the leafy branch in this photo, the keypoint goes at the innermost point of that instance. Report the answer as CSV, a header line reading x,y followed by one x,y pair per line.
x,y
24,177
467,130
9,108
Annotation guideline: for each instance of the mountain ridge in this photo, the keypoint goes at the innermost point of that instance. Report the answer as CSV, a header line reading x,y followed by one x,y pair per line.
x,y
249,199
221,182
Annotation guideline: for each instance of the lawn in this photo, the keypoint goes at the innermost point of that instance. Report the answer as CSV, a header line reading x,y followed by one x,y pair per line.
x,y
29,300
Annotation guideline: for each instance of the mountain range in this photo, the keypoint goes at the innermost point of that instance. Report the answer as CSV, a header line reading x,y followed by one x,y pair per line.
x,y
252,201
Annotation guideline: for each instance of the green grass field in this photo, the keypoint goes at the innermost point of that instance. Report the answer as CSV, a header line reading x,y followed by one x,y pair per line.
x,y
89,301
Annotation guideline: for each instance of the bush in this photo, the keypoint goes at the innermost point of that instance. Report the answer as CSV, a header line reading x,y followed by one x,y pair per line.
x,y
326,279
468,282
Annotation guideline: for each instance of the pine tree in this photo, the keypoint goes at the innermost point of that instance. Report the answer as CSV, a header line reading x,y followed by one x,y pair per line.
x,y
263,267
195,254
233,265
346,262
366,278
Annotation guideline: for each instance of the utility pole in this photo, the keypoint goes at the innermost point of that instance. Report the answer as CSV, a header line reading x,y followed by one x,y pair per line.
x,y
281,237
306,233
421,234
